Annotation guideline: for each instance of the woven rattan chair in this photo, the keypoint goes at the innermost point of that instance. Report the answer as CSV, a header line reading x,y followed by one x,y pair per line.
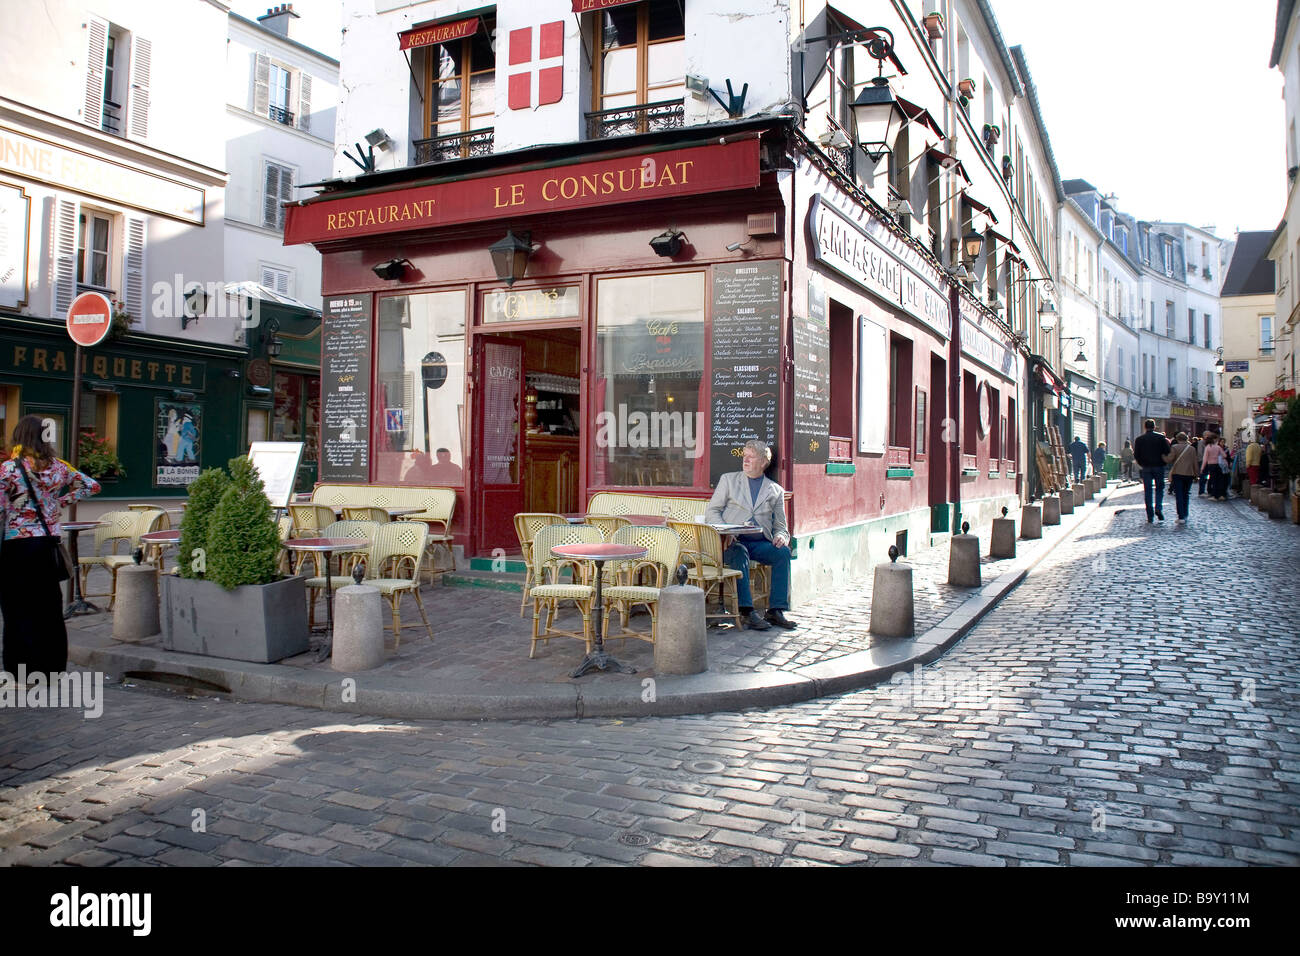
x,y
397,551
701,552
546,587
367,513
527,524
117,528
662,546
608,524
344,561
310,521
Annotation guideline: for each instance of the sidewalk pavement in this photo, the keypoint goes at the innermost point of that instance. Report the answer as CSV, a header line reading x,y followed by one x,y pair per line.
x,y
477,666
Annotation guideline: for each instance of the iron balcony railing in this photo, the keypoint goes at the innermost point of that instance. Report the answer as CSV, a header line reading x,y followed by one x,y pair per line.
x,y
646,118
436,149
280,115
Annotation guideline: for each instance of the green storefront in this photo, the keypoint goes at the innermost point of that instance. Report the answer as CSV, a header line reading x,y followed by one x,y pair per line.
x,y
282,397
168,408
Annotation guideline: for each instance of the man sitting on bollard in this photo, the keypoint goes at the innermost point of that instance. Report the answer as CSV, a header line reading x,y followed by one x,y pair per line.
x,y
747,497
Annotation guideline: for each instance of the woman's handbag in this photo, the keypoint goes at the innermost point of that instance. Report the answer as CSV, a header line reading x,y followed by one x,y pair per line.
x,y
62,560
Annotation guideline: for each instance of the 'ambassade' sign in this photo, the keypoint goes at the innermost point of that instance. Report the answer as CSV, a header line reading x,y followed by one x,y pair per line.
x,y
677,172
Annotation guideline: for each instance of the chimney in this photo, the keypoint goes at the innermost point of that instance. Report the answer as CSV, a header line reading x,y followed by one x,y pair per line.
x,y
277,19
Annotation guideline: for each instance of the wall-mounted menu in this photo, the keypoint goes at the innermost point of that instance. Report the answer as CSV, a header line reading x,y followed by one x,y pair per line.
x,y
746,360
812,379
345,389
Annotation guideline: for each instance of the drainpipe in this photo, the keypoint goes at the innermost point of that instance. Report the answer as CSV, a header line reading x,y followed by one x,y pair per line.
x,y
954,407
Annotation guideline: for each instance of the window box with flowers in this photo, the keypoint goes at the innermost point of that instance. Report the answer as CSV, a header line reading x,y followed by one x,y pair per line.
x,y
96,457
121,323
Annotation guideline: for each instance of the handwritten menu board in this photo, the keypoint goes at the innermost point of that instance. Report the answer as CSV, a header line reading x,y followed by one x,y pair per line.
x,y
812,379
746,360
345,388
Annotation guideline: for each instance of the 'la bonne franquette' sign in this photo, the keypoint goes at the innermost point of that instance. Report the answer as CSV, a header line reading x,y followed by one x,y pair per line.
x,y
653,175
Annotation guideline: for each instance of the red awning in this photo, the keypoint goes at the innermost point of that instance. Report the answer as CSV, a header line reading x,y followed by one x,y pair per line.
x,y
978,206
948,162
919,114
439,31
587,6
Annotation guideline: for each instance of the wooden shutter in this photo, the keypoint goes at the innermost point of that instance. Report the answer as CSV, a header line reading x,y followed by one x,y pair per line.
x,y
304,100
138,98
261,83
271,197
92,113
65,256
133,280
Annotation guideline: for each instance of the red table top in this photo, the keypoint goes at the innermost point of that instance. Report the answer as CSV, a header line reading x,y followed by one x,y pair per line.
x,y
647,521
600,552
326,544
161,537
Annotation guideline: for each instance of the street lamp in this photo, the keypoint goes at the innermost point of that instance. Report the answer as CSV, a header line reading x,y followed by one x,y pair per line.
x,y
1079,359
1046,316
1220,366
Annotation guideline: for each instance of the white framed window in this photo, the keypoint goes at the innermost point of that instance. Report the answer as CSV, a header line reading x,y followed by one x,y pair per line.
x,y
277,278
118,66
277,188
1266,334
101,250
94,248
281,93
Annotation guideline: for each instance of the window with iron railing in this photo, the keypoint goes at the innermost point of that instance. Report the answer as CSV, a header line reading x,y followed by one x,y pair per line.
x,y
459,97
639,77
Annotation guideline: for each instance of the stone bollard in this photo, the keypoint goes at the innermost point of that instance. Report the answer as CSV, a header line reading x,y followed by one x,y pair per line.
x,y
1002,543
893,609
681,645
1067,501
1257,496
964,559
1052,509
1031,521
1277,505
1080,495
1094,486
358,628
135,612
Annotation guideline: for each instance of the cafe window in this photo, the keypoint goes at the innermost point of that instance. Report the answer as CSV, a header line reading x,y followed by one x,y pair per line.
x,y
842,392
460,83
296,415
900,391
419,431
93,248
642,54
9,415
649,391
970,414
98,416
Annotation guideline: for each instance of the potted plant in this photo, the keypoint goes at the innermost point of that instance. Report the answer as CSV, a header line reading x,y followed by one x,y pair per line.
x,y
121,322
992,134
966,87
228,600
933,25
96,457
1286,447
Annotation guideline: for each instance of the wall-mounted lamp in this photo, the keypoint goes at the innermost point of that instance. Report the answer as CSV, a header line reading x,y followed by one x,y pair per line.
x,y
510,256
668,243
100,388
1079,359
960,273
196,303
378,138
733,247
879,118
1220,366
272,340
971,244
392,269
1046,316
181,395
834,139
901,207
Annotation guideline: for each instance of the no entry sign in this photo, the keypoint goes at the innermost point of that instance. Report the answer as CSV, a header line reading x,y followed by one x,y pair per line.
x,y
89,318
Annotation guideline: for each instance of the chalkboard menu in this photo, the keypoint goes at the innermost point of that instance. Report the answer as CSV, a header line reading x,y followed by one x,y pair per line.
x,y
746,360
345,389
812,379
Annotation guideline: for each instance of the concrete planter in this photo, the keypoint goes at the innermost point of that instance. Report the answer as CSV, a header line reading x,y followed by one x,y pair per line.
x,y
257,622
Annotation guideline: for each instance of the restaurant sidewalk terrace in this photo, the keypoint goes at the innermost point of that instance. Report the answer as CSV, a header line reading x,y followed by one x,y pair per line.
x,y
477,666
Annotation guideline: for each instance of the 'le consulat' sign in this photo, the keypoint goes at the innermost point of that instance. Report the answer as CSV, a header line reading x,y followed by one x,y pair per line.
x,y
866,254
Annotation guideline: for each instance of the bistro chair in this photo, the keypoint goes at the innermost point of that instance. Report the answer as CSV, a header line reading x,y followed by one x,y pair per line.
x,y
397,551
344,561
309,521
527,524
662,546
546,566
116,528
379,515
701,552
608,524
436,517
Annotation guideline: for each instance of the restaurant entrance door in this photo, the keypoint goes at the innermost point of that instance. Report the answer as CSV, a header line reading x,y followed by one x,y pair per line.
x,y
527,422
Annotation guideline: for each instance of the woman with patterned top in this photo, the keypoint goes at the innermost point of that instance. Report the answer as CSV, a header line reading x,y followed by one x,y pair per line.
x,y
34,633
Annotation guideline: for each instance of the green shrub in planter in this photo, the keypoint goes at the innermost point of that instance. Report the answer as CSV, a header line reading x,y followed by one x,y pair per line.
x,y
205,493
243,539
1286,445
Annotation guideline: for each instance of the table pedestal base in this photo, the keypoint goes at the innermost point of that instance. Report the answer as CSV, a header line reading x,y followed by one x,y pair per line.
x,y
600,660
79,605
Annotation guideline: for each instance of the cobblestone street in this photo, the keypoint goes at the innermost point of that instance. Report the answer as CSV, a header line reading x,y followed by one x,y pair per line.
x,y
1132,702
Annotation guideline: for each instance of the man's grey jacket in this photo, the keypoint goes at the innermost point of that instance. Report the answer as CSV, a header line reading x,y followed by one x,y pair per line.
x,y
731,504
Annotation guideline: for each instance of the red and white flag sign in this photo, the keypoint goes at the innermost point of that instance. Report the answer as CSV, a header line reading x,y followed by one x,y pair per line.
x,y
536,80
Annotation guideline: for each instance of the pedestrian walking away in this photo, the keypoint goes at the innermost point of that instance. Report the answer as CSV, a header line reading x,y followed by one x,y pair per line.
x,y
1079,456
1149,452
1099,459
1126,460
747,497
1182,472
1216,464
30,485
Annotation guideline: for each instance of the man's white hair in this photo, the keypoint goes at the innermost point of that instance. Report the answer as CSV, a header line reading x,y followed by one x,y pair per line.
x,y
760,447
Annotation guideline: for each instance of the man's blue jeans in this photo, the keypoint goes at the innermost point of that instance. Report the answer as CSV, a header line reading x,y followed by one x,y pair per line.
x,y
1080,469
1181,485
1154,476
764,552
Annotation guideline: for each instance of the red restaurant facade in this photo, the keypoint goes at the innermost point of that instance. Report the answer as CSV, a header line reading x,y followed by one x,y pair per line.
x,y
672,295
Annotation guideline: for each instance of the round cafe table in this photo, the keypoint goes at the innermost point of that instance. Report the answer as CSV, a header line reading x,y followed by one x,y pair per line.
x,y
158,540
327,547
76,603
599,554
